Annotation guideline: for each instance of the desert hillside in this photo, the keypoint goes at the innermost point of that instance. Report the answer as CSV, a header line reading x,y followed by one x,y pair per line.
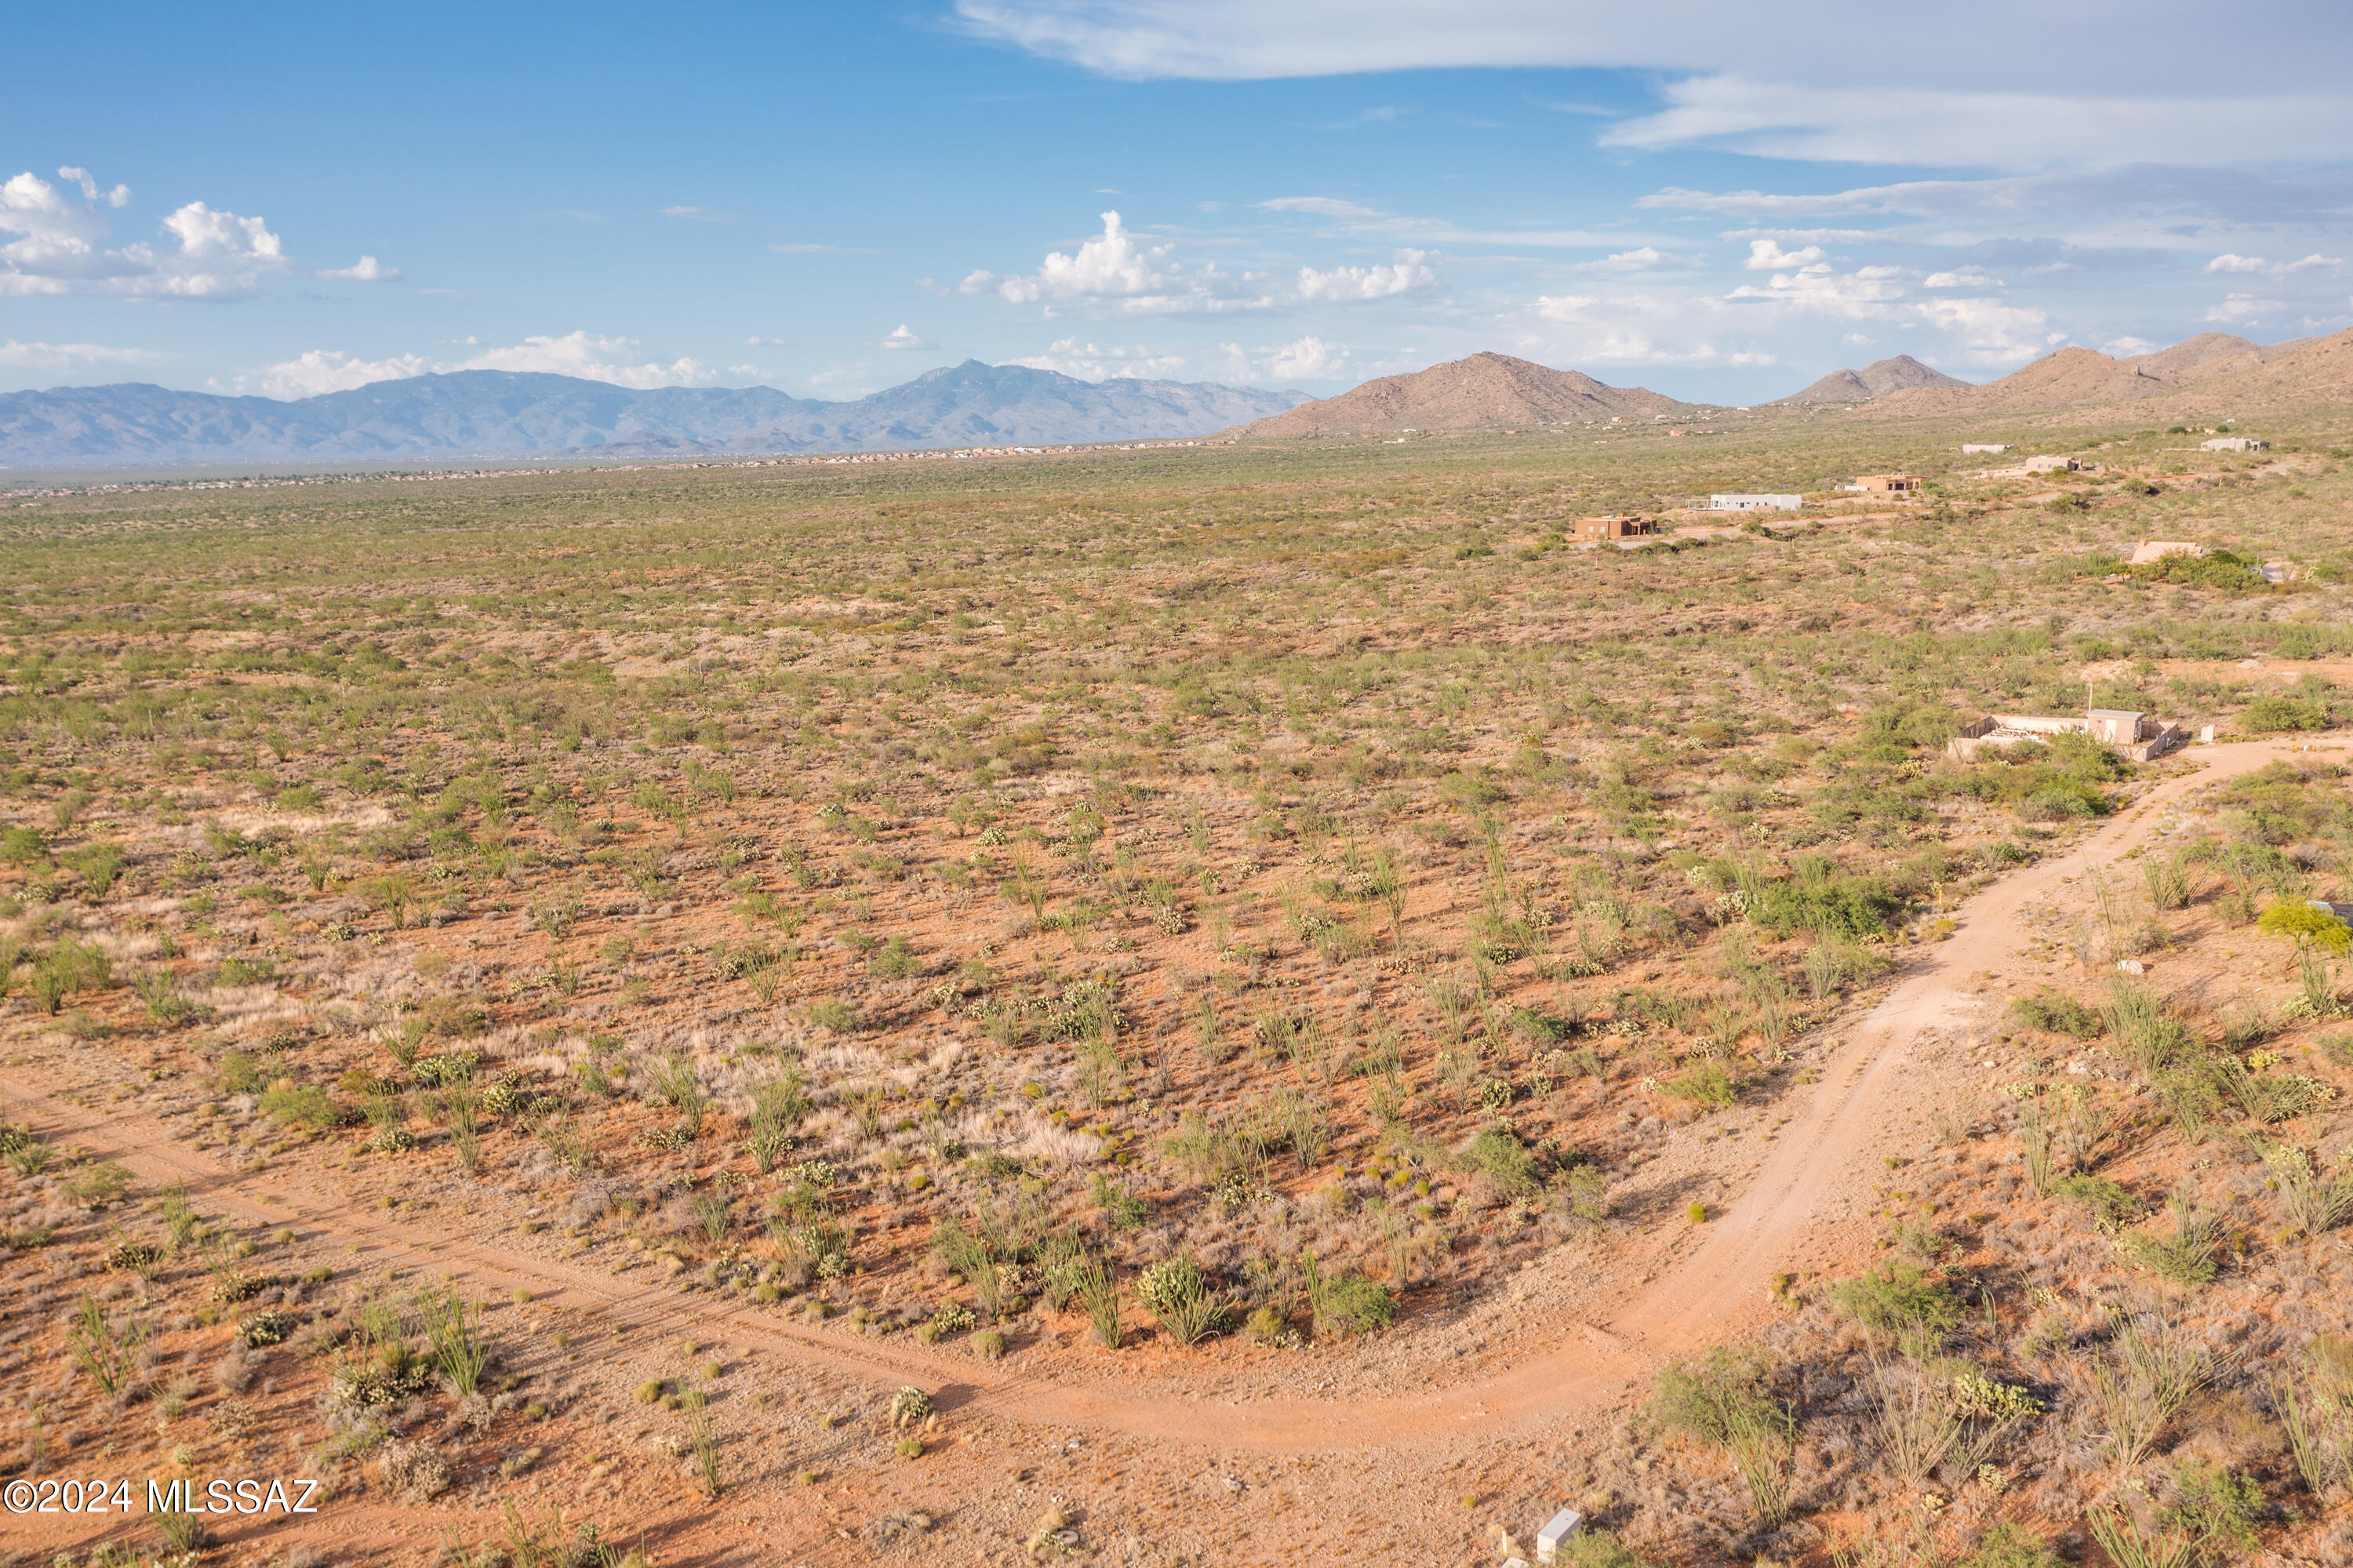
x,y
2084,378
1878,379
1483,391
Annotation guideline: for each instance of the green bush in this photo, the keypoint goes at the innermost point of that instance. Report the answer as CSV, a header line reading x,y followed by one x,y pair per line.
x,y
895,960
2007,1545
1833,905
1600,1548
2216,569
1911,723
2272,715
835,1014
1182,1300
99,864
1346,1303
2112,1205
1706,1083
1498,1154
2055,1014
299,1105
1898,1299
1722,1400
2307,925
2187,1257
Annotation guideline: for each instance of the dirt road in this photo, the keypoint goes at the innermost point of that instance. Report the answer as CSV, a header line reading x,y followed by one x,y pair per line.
x,y
1867,1095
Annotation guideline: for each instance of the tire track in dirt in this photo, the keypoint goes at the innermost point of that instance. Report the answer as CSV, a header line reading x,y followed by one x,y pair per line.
x,y
1718,1289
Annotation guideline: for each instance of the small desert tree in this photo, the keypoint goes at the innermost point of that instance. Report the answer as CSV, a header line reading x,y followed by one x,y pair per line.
x,y
2320,935
1722,1400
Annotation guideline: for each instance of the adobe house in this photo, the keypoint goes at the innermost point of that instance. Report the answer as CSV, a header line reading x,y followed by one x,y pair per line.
x,y
1888,483
1614,525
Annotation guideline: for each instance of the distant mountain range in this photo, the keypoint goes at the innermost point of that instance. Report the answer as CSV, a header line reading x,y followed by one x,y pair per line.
x,y
2083,377
1466,393
495,412
1900,373
2210,376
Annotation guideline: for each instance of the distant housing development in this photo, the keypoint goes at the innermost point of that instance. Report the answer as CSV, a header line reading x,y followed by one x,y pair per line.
x,y
1754,502
2234,444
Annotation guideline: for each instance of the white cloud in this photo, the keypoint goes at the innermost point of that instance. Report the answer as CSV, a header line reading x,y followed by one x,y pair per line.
x,y
1349,217
1117,273
1565,307
1068,356
2143,207
1764,255
843,381
767,342
1755,79
1962,278
1802,236
580,354
1308,358
71,355
1763,203
1990,331
1643,259
1112,266
699,213
904,336
1907,124
119,196
1686,327
2126,348
2243,310
218,255
1406,274
593,358
1816,287
2314,262
366,270
329,370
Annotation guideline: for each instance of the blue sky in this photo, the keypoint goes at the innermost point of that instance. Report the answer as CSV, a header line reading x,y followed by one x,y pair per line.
x,y
1720,202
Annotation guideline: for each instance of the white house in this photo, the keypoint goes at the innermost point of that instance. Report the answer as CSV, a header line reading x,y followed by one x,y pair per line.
x,y
1754,502
2234,444
1985,447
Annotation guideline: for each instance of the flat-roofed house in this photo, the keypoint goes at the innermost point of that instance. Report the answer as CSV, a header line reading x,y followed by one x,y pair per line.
x,y
2134,736
1613,526
1748,503
1888,483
